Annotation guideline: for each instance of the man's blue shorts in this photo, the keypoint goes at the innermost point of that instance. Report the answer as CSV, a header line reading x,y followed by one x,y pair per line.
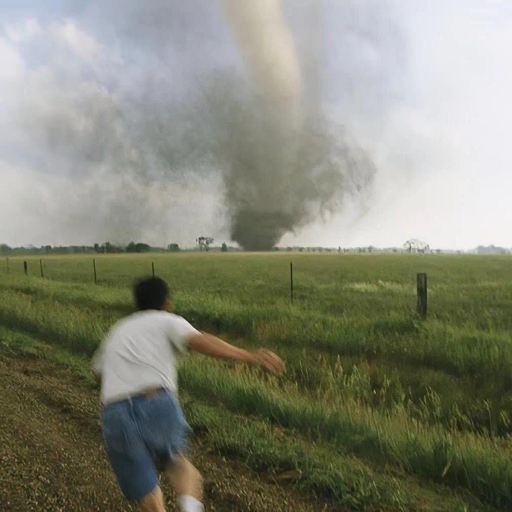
x,y
142,435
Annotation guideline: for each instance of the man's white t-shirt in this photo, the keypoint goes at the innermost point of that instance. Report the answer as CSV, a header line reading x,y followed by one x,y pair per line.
x,y
140,352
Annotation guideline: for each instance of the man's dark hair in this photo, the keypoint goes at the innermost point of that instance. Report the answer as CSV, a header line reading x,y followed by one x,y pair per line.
x,y
150,293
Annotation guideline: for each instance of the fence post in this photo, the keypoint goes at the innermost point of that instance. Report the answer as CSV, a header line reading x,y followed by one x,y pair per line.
x,y
25,267
421,281
41,266
7,262
291,282
94,267
153,268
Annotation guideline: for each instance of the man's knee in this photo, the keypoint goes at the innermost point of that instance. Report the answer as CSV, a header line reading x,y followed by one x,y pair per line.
x,y
187,470
193,473
185,478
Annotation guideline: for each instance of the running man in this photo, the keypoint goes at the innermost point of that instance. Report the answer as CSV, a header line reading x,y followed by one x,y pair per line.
x,y
144,429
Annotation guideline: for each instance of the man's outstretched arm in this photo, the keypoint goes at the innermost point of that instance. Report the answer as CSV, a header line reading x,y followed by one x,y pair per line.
x,y
212,346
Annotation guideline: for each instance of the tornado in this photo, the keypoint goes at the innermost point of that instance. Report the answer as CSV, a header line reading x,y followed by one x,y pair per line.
x,y
283,166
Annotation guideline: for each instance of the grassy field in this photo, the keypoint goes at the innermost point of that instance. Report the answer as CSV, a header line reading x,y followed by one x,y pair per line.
x,y
378,410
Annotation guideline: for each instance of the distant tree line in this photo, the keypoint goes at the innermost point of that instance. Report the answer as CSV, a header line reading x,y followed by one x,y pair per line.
x,y
104,248
7,250
491,249
205,244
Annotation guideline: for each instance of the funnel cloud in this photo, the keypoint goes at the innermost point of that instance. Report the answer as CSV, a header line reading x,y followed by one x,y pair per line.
x,y
283,164
278,180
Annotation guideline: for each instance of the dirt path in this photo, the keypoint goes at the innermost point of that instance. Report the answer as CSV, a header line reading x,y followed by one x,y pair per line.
x,y
51,457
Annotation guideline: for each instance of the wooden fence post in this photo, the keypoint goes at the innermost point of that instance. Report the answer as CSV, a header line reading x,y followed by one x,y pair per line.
x,y
153,268
421,280
291,282
41,267
94,267
25,267
7,262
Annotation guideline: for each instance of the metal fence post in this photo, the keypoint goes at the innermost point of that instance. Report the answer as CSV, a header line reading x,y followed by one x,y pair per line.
x,y
421,281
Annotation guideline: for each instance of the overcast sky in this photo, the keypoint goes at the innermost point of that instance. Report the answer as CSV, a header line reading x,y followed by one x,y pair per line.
x,y
90,109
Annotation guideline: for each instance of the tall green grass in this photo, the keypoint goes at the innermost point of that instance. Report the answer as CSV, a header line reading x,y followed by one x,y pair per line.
x,y
314,467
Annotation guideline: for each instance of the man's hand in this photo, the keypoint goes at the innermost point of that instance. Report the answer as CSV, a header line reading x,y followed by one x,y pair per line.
x,y
268,360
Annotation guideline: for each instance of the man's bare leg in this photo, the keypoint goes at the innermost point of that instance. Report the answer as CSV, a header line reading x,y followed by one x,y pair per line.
x,y
188,484
153,502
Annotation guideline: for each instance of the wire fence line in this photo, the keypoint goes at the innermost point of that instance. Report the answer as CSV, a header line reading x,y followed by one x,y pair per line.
x,y
421,280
